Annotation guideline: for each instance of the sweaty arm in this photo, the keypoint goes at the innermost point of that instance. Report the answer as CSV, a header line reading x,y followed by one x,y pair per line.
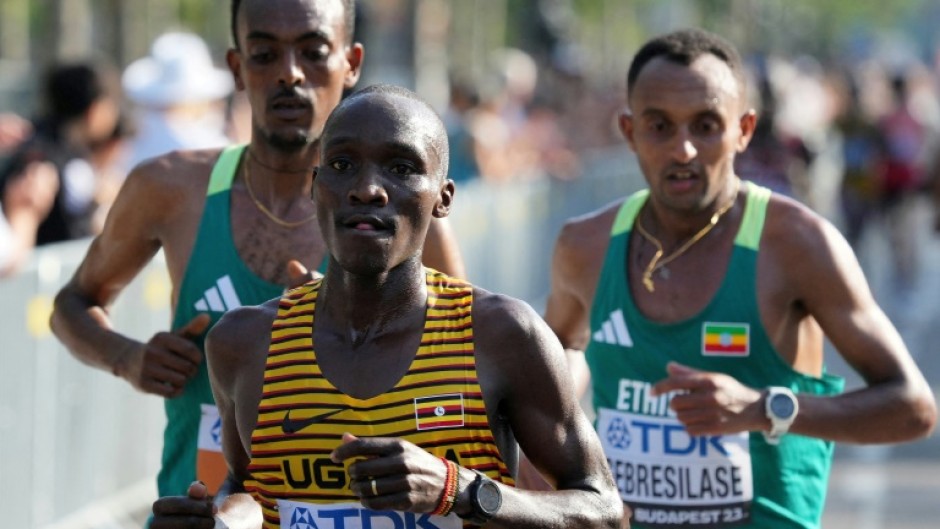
x,y
522,367
80,317
528,395
806,269
576,263
441,251
236,349
896,404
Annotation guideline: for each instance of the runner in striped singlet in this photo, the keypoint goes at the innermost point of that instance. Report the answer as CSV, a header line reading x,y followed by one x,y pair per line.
x,y
700,305
387,394
437,404
232,224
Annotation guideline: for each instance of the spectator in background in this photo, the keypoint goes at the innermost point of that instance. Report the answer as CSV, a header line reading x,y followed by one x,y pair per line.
x,y
13,130
463,99
860,152
27,200
80,109
179,96
903,139
773,159
503,153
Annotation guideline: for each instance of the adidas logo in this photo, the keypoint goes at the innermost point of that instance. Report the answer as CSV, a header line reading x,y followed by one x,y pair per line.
x,y
614,331
220,298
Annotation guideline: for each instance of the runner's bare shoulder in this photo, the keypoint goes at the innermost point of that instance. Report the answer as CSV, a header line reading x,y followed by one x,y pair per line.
x,y
581,246
177,171
241,338
168,189
510,335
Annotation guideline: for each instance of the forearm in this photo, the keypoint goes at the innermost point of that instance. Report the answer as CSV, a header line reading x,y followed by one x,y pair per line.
x,y
884,413
85,329
583,507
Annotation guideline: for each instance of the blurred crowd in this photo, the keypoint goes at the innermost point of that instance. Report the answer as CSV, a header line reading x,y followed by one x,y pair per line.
x,y
857,143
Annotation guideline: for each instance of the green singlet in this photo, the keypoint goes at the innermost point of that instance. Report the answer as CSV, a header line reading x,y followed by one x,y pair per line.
x,y
216,281
667,477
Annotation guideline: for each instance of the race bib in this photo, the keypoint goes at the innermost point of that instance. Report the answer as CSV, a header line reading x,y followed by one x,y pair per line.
x,y
671,479
301,515
210,463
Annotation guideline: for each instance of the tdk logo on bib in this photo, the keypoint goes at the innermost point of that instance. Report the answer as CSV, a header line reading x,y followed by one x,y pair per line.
x,y
216,431
302,519
618,434
353,516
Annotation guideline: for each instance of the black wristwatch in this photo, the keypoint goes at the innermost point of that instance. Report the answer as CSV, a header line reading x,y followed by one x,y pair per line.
x,y
485,500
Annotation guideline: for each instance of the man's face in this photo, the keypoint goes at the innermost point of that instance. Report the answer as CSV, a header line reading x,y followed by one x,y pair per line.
x,y
686,124
379,183
293,62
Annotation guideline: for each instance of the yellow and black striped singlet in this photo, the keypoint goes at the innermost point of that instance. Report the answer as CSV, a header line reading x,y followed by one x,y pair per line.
x,y
436,405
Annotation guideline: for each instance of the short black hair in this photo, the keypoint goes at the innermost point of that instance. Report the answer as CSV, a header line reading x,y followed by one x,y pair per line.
x,y
440,143
69,89
349,20
684,46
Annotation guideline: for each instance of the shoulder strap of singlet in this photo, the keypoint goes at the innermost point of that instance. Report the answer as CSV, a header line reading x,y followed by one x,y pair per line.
x,y
628,212
223,173
755,210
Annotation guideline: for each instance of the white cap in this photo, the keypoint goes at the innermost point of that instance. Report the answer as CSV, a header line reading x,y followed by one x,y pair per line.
x,y
179,69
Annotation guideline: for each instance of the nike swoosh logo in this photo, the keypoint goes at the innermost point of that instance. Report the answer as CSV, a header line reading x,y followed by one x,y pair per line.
x,y
290,426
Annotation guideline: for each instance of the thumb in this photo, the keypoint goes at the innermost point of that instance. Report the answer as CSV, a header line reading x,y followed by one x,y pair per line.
x,y
297,273
348,438
197,491
195,327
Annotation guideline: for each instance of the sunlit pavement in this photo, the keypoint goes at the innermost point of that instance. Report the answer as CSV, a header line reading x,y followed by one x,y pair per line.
x,y
896,487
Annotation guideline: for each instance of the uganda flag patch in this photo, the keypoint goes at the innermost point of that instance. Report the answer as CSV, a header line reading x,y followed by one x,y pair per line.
x,y
439,411
726,339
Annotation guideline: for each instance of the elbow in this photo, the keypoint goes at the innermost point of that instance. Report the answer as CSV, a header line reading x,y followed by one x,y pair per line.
x,y
923,415
55,318
915,413
608,512
63,309
616,514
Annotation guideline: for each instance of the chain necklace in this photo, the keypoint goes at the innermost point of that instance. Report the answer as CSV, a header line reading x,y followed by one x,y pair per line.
x,y
274,218
658,261
270,167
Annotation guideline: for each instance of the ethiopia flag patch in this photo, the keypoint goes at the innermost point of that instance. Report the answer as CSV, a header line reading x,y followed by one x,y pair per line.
x,y
439,411
725,339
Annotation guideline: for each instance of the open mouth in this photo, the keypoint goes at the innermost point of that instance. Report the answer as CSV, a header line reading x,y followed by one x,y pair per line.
x,y
682,174
291,107
366,223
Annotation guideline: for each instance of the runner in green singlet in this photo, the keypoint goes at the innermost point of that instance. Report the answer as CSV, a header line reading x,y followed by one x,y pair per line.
x,y
235,226
700,305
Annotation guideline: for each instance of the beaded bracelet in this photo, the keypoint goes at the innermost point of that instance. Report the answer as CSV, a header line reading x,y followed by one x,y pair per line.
x,y
449,494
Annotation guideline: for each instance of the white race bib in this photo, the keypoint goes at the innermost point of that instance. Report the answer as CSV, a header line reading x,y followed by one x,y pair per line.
x,y
671,479
302,515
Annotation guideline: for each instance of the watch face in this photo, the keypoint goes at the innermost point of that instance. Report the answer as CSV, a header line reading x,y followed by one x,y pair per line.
x,y
489,497
781,406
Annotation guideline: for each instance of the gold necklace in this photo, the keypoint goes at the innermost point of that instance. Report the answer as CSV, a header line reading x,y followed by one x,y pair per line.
x,y
658,261
274,218
269,167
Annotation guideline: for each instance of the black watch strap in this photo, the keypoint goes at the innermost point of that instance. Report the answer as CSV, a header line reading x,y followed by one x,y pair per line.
x,y
479,514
